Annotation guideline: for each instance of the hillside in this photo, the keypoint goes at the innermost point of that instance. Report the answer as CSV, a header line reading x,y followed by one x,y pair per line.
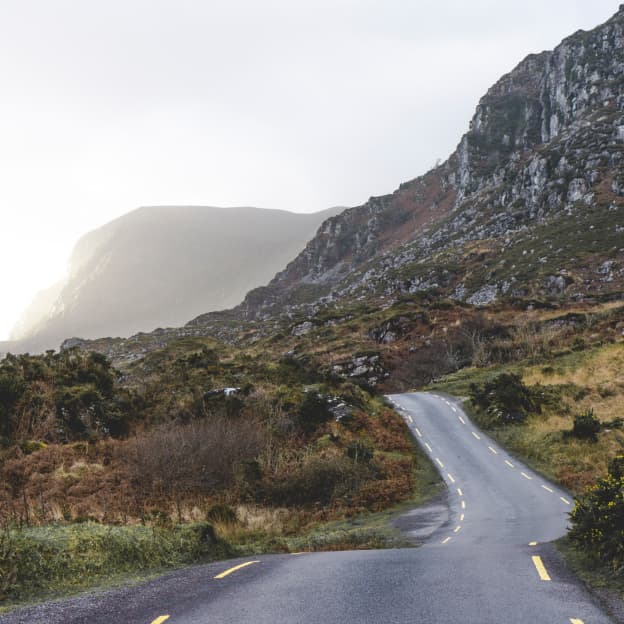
x,y
160,267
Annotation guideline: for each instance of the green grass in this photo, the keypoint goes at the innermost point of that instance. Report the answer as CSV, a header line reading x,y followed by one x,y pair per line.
x,y
58,560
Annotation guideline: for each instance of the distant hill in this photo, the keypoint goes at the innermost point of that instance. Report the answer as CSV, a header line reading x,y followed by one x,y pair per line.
x,y
161,266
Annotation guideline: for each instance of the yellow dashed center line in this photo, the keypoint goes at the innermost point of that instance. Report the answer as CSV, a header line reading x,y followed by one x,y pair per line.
x,y
410,418
493,450
453,408
428,448
547,488
238,567
541,569
446,540
461,420
439,462
463,504
476,435
161,619
450,476
459,492
526,476
565,500
456,529
576,621
532,543
417,430
461,518
509,463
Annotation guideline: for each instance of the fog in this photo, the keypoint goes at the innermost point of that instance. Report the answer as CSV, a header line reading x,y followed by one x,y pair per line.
x,y
295,105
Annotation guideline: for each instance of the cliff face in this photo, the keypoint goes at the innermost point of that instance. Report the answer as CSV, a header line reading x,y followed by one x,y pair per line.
x,y
536,184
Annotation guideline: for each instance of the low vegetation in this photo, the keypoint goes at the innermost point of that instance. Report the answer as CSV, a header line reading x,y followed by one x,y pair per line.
x,y
277,438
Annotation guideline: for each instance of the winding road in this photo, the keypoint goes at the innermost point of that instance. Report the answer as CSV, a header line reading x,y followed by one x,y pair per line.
x,y
489,562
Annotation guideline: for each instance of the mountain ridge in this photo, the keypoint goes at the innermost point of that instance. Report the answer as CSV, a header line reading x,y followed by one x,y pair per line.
x,y
161,265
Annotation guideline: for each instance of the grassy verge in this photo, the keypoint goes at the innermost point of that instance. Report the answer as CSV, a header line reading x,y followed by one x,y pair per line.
x,y
58,560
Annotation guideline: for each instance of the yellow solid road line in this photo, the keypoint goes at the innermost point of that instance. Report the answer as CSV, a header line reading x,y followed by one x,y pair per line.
x,y
476,435
161,619
526,476
493,450
439,462
447,539
459,492
509,463
565,500
547,488
450,476
461,420
532,543
541,569
418,432
238,567
428,448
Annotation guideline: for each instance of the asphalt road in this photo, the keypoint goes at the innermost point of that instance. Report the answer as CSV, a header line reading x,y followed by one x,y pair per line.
x,y
489,562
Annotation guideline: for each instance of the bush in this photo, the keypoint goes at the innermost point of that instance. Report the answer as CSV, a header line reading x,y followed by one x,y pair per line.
x,y
359,451
222,513
586,426
314,411
506,399
319,480
597,522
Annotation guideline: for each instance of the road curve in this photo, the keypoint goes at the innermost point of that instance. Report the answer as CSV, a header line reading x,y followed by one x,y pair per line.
x,y
489,563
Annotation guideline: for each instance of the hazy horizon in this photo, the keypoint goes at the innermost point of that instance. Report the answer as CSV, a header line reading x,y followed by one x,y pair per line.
x,y
290,105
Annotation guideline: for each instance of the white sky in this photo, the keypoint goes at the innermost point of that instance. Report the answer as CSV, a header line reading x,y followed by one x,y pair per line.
x,y
107,105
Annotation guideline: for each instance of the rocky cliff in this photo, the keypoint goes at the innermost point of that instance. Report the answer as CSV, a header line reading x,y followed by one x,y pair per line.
x,y
530,204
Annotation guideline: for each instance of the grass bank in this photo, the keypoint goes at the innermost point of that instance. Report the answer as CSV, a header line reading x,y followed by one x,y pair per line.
x,y
57,559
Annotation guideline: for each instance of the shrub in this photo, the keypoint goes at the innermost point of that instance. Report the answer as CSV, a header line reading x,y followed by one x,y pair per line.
x,y
586,426
597,522
314,411
222,513
319,480
506,399
359,451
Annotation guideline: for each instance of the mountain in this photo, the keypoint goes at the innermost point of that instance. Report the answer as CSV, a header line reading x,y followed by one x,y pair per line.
x,y
530,204
527,212
161,266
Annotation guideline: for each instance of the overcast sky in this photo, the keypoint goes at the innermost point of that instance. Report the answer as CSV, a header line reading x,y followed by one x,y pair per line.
x,y
107,105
